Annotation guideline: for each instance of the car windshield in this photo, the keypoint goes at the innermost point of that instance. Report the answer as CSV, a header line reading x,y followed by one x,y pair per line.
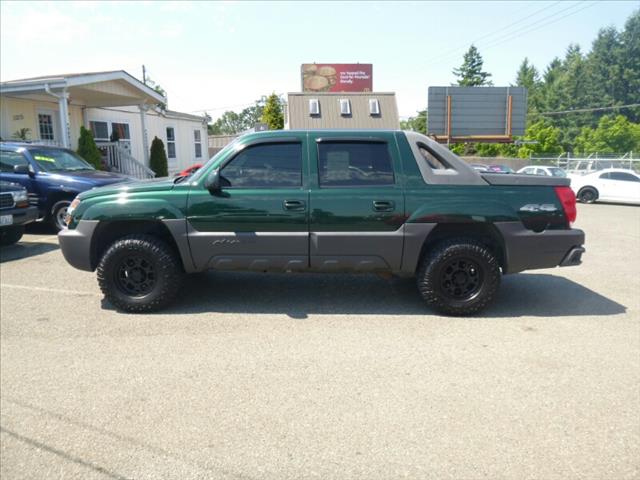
x,y
58,160
558,172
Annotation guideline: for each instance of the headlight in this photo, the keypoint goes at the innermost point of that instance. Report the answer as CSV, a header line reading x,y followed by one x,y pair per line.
x,y
70,210
20,196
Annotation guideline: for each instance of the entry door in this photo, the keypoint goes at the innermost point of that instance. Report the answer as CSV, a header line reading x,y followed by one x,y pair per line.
x,y
357,204
48,126
259,221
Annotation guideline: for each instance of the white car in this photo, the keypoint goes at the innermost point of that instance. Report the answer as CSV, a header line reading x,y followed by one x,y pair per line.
x,y
543,170
608,185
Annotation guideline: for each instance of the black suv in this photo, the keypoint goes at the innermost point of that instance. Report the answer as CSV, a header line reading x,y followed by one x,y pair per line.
x,y
15,212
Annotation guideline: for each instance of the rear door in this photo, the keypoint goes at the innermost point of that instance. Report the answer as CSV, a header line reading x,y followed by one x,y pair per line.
x,y
356,201
259,221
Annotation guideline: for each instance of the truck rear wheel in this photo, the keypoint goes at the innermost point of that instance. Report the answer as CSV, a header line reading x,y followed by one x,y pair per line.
x,y
459,277
140,273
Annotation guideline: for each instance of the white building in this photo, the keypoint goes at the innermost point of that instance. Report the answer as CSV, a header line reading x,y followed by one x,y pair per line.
x,y
51,109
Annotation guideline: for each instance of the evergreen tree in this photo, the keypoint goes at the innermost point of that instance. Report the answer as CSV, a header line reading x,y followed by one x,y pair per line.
x,y
470,73
272,114
158,158
88,149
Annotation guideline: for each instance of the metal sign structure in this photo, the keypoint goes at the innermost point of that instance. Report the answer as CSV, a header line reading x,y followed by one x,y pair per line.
x,y
476,114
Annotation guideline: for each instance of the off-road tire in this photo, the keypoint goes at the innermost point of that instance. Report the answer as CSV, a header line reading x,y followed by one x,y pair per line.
x,y
432,276
163,262
587,195
58,211
11,235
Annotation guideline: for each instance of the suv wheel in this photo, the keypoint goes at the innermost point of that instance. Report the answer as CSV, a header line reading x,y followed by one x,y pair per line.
x,y
459,277
11,235
58,213
140,273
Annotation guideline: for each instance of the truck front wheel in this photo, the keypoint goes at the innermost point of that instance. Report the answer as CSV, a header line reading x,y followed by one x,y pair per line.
x,y
459,277
140,273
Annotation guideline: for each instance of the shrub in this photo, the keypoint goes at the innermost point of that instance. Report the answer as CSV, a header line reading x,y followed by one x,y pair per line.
x,y
88,149
158,158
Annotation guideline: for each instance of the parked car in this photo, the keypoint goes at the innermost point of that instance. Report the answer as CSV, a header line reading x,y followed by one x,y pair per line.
x,y
53,176
15,212
609,185
189,170
543,170
479,167
499,169
325,201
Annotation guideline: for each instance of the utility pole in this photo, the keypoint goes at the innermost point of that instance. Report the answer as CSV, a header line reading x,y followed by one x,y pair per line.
x,y
144,75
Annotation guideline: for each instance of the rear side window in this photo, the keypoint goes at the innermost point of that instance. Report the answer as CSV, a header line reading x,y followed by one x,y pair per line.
x,y
625,177
354,164
434,161
275,165
9,159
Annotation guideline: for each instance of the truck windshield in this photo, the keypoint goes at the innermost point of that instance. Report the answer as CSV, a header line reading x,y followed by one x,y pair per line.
x,y
54,160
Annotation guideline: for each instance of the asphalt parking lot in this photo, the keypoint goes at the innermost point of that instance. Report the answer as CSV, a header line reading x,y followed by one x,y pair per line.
x,y
273,376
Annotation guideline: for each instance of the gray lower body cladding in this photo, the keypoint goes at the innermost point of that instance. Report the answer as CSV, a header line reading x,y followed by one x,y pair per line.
x,y
528,250
76,244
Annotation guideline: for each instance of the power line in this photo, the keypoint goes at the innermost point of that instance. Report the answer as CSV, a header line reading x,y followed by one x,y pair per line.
x,y
501,30
595,109
527,28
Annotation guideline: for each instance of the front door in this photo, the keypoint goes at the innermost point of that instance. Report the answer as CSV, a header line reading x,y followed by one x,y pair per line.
x,y
259,220
357,203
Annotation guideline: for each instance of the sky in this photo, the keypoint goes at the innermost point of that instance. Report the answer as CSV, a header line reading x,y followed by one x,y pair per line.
x,y
217,56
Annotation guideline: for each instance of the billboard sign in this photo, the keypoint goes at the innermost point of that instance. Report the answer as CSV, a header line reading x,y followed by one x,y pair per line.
x,y
337,77
476,113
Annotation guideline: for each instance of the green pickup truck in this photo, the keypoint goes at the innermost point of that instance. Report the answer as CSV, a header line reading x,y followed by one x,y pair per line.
x,y
333,201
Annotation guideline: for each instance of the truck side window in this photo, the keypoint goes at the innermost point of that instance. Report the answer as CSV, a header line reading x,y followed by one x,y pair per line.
x,y
10,159
275,165
434,162
354,164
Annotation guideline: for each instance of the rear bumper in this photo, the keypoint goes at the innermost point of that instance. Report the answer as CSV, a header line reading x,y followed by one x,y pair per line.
x,y
76,244
528,250
21,216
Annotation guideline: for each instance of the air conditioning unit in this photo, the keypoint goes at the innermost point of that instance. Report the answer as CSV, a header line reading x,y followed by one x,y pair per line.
x,y
374,106
314,106
345,107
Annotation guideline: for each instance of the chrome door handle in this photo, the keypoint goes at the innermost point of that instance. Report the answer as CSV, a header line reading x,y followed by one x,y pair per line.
x,y
294,205
383,205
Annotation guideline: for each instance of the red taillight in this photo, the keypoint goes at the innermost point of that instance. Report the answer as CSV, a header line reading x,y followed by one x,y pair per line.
x,y
568,200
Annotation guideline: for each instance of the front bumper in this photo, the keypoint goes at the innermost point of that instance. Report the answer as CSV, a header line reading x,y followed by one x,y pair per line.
x,y
21,216
76,244
528,250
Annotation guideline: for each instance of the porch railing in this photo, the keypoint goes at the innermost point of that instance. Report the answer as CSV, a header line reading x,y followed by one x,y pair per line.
x,y
120,160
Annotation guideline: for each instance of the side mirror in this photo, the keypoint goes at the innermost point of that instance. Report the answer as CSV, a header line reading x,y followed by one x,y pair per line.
x,y
212,183
23,170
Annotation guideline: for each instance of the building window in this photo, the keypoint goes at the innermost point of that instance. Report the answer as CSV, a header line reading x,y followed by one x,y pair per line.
x,y
45,126
314,106
171,142
345,107
374,107
197,138
100,130
354,164
121,130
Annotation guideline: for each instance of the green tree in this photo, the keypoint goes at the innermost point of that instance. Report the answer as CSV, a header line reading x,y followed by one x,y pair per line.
x,y
417,123
88,149
158,158
546,136
231,123
470,73
272,114
151,83
614,134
